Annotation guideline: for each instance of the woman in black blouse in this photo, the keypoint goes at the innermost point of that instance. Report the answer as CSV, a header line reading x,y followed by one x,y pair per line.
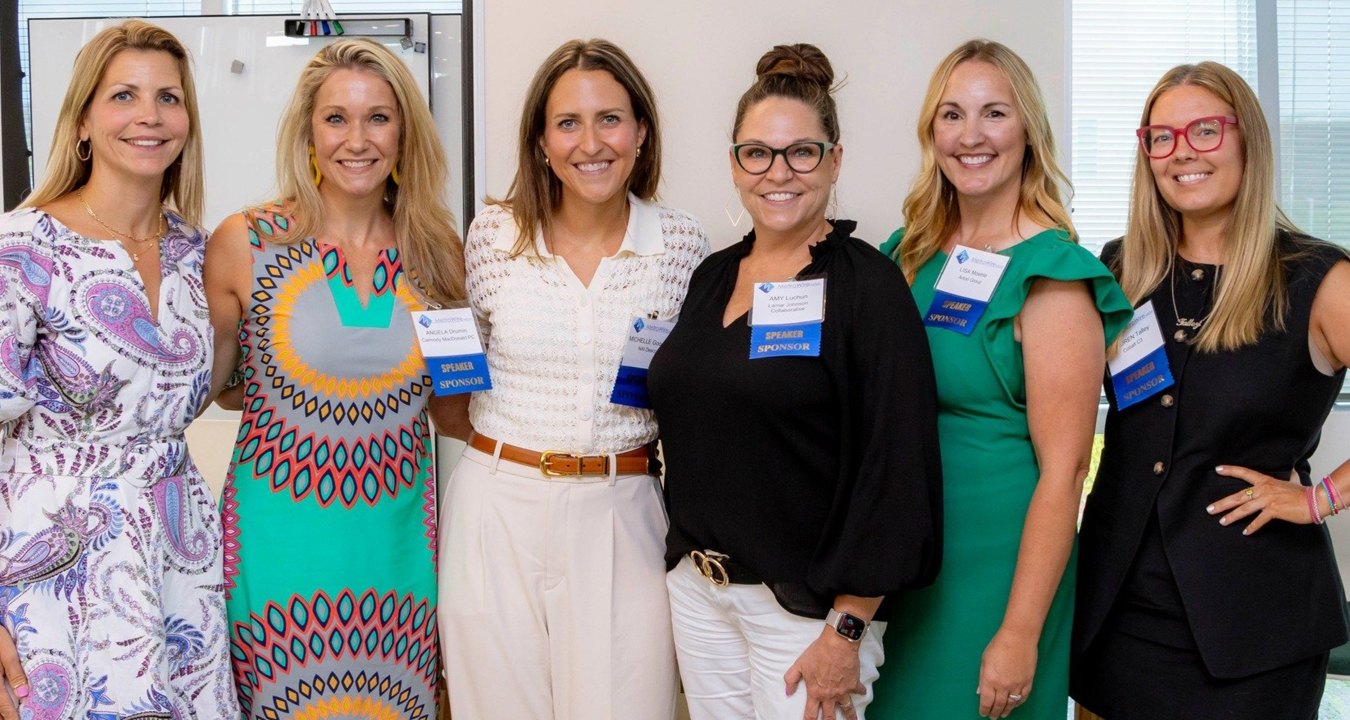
x,y
798,418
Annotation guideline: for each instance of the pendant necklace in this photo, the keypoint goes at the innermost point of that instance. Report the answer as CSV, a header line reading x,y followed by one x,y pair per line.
x,y
124,237
1187,322
988,247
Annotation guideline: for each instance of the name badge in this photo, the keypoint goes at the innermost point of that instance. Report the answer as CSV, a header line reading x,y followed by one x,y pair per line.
x,y
1140,370
963,289
785,318
644,339
453,351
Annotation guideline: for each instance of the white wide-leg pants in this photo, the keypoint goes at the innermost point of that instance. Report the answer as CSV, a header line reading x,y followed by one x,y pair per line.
x,y
736,642
552,595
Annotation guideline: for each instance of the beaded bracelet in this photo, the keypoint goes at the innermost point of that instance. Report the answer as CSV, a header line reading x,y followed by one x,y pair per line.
x,y
1332,497
1310,494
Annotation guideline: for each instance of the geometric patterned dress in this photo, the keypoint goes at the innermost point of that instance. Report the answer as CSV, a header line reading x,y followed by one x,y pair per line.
x,y
110,543
329,504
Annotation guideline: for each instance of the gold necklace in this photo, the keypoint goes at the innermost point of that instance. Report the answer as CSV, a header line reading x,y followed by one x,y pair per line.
x,y
1192,323
135,254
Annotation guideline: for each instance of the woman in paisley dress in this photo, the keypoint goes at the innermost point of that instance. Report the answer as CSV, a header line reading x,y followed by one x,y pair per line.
x,y
110,546
329,503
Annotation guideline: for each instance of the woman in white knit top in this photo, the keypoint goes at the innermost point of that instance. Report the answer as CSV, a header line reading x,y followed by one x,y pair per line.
x,y
553,601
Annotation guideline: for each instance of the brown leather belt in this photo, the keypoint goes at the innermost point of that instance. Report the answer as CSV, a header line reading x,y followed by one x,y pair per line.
x,y
553,463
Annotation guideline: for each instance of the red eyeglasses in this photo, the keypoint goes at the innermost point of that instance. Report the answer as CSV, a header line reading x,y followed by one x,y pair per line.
x,y
1202,134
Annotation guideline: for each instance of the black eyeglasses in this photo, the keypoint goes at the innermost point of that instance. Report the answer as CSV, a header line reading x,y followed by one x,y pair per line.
x,y
1202,134
802,157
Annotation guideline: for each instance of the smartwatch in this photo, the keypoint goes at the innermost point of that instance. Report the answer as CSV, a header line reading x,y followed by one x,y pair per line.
x,y
850,627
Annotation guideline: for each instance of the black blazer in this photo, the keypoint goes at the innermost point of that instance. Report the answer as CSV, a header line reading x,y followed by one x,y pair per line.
x,y
1252,603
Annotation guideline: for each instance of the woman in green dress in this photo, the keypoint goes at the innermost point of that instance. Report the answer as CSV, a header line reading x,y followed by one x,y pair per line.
x,y
329,503
1019,318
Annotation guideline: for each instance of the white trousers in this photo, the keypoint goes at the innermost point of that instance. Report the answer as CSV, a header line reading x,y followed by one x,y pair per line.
x,y
552,595
735,643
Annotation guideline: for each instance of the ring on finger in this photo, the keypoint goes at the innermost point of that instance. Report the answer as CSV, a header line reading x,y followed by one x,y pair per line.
x,y
1250,493
1014,697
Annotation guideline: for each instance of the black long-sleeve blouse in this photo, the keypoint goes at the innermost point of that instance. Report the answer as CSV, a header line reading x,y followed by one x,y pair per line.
x,y
818,474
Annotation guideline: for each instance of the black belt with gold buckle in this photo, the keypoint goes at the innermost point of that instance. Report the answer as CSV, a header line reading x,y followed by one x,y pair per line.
x,y
720,570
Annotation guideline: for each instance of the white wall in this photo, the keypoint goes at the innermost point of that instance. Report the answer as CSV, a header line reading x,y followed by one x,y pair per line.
x,y
700,56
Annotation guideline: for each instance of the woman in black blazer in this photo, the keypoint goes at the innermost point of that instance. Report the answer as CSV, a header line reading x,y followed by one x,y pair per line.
x,y
1207,586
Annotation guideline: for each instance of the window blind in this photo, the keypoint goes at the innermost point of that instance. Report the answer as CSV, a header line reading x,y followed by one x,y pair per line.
x,y
1314,56
1119,51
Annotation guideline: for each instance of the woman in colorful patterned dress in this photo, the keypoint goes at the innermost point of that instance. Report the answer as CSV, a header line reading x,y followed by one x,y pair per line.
x,y
110,546
329,505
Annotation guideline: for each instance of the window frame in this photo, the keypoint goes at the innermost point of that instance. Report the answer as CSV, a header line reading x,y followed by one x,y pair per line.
x,y
1266,57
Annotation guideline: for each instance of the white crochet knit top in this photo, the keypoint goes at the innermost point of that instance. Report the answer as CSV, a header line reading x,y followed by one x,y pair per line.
x,y
553,344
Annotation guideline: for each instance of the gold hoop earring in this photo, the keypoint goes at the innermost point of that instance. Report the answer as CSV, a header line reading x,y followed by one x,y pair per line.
x,y
88,150
393,174
314,165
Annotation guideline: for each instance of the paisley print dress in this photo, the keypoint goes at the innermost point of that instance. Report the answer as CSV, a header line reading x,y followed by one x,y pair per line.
x,y
110,546
329,505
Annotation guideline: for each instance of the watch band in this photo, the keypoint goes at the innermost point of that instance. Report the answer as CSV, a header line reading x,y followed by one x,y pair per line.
x,y
850,627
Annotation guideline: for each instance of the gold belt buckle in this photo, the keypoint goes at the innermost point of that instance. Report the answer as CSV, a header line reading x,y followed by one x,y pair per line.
x,y
546,463
710,567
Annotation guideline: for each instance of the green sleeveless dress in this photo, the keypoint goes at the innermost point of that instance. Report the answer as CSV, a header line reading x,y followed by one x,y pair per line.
x,y
937,635
329,504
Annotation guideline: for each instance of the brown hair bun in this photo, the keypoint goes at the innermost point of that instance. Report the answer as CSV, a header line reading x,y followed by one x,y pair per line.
x,y
800,72
801,61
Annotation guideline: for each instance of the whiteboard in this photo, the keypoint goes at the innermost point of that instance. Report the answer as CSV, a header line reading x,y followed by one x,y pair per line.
x,y
239,111
447,105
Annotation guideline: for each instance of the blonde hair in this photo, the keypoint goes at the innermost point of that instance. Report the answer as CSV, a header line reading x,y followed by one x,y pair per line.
x,y
1252,281
182,187
931,211
535,191
424,228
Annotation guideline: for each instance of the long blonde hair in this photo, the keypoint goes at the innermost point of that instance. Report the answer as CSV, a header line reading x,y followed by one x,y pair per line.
x,y
424,228
1252,281
535,191
182,187
931,211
